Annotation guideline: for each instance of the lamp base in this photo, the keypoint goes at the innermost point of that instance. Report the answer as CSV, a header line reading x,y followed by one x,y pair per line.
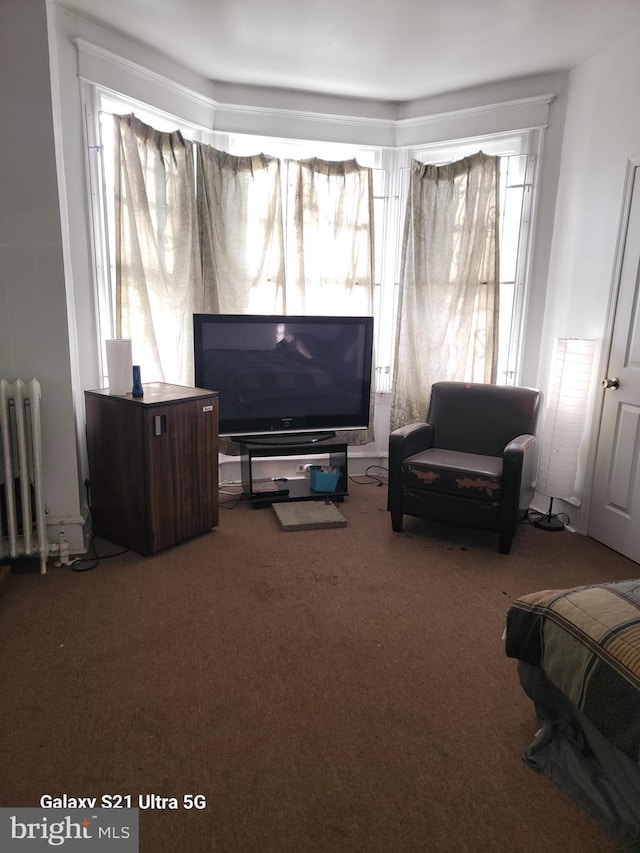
x,y
550,521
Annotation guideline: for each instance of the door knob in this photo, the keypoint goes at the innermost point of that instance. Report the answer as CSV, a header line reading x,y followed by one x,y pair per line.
x,y
611,382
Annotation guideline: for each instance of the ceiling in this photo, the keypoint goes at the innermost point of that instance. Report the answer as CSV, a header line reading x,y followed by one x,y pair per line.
x,y
387,50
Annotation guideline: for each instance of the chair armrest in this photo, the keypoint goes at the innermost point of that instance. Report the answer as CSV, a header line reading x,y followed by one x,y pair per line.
x,y
407,440
521,444
519,468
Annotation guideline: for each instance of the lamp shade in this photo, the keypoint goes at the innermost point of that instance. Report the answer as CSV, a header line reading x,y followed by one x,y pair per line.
x,y
566,415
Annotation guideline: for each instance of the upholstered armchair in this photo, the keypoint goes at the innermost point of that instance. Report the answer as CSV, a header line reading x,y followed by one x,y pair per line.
x,y
473,462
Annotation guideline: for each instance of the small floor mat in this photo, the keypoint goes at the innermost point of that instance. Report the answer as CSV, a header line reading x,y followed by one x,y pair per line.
x,y
307,515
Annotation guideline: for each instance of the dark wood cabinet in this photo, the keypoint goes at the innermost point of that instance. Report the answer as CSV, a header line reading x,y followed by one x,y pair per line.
x,y
153,465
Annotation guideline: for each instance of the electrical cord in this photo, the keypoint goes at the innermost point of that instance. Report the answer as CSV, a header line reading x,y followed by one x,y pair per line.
x,y
231,504
96,558
374,480
533,515
238,494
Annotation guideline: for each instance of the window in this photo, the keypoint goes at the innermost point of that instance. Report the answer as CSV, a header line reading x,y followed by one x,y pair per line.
x,y
376,159
100,107
518,154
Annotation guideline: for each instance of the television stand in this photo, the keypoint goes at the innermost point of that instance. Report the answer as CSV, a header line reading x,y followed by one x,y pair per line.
x,y
328,451
284,439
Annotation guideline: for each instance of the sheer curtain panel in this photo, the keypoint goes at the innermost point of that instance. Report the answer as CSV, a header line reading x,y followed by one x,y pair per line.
x,y
329,238
449,287
215,238
329,241
241,232
158,280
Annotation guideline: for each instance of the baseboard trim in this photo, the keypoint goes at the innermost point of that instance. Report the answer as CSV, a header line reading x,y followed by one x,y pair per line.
x,y
72,528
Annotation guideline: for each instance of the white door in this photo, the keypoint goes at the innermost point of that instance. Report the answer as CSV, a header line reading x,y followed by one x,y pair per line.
x,y
614,517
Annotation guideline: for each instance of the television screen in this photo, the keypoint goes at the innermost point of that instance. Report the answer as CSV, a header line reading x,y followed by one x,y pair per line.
x,y
285,374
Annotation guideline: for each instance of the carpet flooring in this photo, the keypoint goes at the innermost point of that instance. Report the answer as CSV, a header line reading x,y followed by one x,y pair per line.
x,y
328,691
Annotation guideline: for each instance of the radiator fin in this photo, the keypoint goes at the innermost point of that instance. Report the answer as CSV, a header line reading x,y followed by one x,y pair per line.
x,y
23,530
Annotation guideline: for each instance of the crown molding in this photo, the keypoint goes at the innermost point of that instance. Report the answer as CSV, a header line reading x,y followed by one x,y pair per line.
x,y
94,63
293,123
536,101
482,120
104,67
112,71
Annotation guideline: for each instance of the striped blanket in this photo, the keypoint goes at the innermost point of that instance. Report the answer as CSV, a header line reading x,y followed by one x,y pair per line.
x,y
587,642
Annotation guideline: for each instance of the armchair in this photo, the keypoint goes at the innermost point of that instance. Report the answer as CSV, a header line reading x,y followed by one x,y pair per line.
x,y
473,462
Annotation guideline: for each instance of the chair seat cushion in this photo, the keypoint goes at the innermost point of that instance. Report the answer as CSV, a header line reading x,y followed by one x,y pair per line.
x,y
451,472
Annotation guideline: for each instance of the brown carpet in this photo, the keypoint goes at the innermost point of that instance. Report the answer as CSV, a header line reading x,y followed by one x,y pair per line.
x,y
327,691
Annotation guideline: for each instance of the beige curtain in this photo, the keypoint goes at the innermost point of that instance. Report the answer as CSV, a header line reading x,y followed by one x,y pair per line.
x,y
449,288
158,280
216,242
329,240
241,232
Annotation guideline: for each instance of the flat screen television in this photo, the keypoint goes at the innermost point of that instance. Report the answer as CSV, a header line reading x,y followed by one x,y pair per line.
x,y
285,376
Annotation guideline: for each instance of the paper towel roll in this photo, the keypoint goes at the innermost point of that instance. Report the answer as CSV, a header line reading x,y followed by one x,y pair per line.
x,y
119,366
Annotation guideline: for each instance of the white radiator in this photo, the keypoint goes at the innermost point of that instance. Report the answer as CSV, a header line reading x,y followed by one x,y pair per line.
x,y
23,530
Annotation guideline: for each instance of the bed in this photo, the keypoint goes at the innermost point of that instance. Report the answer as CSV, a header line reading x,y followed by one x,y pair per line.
x,y
578,653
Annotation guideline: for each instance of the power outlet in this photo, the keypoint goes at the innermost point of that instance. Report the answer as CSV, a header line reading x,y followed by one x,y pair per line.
x,y
303,467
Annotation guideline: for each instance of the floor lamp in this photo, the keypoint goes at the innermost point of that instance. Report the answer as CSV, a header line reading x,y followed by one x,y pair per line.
x,y
564,424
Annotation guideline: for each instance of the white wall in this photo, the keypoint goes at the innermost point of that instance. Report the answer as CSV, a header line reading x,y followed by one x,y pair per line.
x,y
34,327
602,132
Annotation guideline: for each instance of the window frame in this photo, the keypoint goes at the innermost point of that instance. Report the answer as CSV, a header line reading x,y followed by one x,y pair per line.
x,y
391,165
526,144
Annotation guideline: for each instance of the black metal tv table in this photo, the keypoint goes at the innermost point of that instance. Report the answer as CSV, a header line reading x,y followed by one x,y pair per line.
x,y
264,492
